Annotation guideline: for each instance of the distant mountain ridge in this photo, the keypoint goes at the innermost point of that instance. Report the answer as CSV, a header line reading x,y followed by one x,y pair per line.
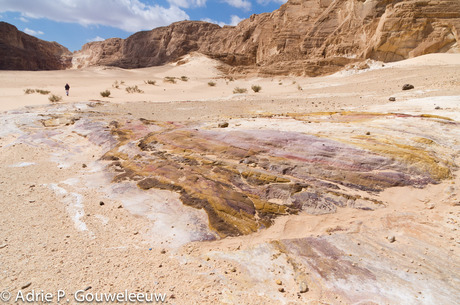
x,y
303,37
20,51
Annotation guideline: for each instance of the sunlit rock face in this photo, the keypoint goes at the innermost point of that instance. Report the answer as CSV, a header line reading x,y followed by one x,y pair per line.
x,y
247,174
304,37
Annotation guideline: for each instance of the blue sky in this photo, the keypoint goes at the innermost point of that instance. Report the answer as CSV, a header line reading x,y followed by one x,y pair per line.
x,y
73,23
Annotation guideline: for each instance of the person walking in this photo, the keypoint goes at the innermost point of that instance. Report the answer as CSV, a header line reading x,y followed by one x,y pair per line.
x,y
67,88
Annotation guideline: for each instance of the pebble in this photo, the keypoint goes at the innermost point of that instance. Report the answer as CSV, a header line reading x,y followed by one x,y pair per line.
x,y
163,251
87,288
279,282
26,285
391,238
281,289
3,246
303,287
223,125
392,99
101,203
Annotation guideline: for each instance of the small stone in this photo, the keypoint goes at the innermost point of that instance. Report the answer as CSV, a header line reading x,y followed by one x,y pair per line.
x,y
163,251
368,133
408,87
233,269
3,246
26,285
303,287
281,289
279,282
87,288
101,203
391,238
430,206
84,165
223,125
392,99
437,107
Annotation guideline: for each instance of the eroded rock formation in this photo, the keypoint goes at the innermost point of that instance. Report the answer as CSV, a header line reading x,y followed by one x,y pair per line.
x,y
308,37
19,51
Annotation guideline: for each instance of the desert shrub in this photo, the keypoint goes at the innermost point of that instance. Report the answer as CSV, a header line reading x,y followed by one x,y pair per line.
x,y
54,98
211,84
105,93
231,79
44,92
184,78
117,84
150,82
299,88
134,89
170,79
239,90
30,91
256,88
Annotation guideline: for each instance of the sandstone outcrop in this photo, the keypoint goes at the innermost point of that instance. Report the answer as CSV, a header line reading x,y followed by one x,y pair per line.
x,y
20,51
304,37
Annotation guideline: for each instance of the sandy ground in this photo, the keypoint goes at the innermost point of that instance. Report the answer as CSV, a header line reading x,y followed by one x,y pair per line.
x,y
42,249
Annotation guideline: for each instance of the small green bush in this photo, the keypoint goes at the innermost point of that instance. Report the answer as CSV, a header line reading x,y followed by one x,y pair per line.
x,y
54,98
134,89
184,78
29,91
105,93
150,82
239,90
170,79
256,88
211,84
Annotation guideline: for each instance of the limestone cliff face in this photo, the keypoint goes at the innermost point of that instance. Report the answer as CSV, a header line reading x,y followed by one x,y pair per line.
x,y
19,51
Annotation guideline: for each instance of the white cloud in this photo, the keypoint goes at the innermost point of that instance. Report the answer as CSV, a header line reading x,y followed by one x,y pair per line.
x,y
266,2
235,20
188,3
23,19
220,23
97,38
32,32
243,4
128,15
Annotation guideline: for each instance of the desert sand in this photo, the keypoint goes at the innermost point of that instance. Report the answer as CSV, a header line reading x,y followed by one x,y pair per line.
x,y
68,224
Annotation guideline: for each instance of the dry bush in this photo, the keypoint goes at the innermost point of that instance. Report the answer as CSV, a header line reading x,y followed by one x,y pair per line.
x,y
55,98
256,88
150,82
211,84
239,90
134,89
184,78
170,79
105,93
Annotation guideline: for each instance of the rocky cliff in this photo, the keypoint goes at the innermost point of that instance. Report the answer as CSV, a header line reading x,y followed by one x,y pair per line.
x,y
306,37
19,51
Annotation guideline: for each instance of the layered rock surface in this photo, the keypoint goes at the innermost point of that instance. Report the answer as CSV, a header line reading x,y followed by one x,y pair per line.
x,y
308,37
20,51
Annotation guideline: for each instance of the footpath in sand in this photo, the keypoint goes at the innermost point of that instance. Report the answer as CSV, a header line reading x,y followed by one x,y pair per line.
x,y
311,191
